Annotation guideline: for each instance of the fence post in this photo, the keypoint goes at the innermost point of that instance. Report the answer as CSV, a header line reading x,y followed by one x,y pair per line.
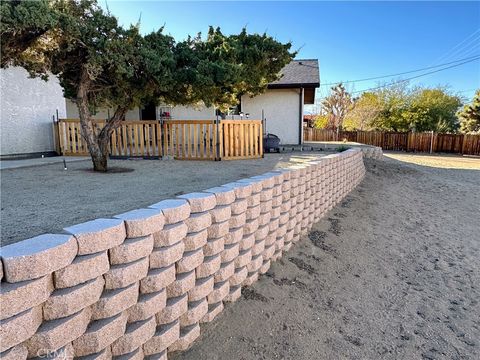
x,y
217,145
431,143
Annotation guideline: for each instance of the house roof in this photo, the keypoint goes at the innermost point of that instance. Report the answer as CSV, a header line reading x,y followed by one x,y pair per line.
x,y
298,73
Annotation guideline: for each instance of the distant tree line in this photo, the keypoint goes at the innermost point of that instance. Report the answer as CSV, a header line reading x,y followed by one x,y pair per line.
x,y
399,108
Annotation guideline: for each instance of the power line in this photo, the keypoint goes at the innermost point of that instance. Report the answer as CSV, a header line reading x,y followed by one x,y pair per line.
x,y
417,76
456,48
402,73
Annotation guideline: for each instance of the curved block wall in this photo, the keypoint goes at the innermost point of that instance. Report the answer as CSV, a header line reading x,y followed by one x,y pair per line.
x,y
141,284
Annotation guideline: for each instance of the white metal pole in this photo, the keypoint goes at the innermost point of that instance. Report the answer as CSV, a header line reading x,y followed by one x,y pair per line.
x,y
431,143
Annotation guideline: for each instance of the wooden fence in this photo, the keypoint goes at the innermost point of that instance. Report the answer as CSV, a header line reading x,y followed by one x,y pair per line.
x,y
402,141
180,139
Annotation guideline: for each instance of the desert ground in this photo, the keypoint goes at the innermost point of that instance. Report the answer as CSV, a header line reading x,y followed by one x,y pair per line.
x,y
45,199
392,272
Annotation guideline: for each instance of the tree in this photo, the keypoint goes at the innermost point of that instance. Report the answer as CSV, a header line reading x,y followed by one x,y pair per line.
x,y
469,116
336,106
364,113
100,64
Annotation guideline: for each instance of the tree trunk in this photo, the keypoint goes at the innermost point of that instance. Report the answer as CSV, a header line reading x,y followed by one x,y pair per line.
x,y
98,144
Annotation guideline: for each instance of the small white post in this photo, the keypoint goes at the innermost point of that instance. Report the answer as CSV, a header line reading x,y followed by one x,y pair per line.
x,y
431,143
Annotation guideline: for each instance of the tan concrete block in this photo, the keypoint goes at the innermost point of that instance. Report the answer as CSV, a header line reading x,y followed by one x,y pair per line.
x,y
262,232
258,247
18,297
203,287
281,231
277,201
182,284
174,210
120,276
65,352
210,265
265,267
165,335
268,252
253,212
266,206
291,224
251,279
289,236
100,334
53,335
131,250
243,258
230,252
247,242
237,221
253,200
225,272
214,246
98,235
65,302
242,190
273,225
277,190
271,238
137,354
136,334
218,229
266,195
239,206
170,235
213,311
264,219
223,195
142,222
234,294
234,236
166,255
196,240
33,258
283,219
157,279
187,336
287,247
221,213
176,307
200,202
115,301
19,328
196,311
82,269
198,221
189,261
220,290
147,306
257,184
268,180
275,212
250,227
255,264
279,244
239,276
18,352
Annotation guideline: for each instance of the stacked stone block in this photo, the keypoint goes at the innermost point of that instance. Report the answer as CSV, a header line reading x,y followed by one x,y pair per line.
x,y
142,283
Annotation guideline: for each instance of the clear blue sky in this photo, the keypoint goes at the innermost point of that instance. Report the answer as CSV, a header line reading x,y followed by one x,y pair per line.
x,y
352,40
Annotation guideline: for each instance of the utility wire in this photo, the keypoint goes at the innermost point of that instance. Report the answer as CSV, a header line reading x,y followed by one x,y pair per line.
x,y
458,47
417,76
402,73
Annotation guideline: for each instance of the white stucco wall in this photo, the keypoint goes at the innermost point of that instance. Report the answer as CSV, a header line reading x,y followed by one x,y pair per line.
x,y
281,110
72,112
26,109
192,113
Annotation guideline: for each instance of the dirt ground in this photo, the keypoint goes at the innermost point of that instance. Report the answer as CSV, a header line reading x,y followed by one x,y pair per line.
x,y
393,272
46,198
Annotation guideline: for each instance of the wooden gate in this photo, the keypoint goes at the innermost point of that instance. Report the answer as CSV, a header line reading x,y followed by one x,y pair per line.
x,y
180,139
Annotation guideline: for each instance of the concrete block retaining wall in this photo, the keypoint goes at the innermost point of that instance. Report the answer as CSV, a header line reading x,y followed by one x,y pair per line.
x,y
141,284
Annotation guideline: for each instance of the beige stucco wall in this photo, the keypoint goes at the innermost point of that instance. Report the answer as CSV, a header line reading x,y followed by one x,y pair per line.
x,y
281,109
27,107
72,112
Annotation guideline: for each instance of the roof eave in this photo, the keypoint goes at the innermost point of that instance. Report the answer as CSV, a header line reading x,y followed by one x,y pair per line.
x,y
294,86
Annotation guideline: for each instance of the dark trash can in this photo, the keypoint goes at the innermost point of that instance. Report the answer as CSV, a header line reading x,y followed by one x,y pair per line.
x,y
271,143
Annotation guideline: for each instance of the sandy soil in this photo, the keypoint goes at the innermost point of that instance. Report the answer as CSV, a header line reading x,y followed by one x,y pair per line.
x,y
42,199
393,272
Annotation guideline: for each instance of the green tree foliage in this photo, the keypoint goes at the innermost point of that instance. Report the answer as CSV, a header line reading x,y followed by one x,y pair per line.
x,y
101,64
469,116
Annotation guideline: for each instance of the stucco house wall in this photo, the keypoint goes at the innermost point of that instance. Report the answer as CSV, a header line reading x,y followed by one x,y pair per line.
x,y
101,114
281,108
27,107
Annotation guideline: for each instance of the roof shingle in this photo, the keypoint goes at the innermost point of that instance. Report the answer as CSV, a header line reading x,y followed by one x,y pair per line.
x,y
298,73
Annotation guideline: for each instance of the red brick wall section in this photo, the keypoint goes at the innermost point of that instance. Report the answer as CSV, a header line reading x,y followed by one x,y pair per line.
x,y
143,283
